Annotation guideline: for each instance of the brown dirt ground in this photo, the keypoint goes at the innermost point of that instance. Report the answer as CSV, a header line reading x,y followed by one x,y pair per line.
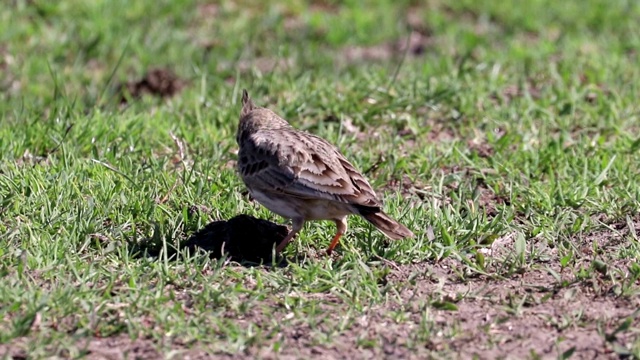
x,y
495,317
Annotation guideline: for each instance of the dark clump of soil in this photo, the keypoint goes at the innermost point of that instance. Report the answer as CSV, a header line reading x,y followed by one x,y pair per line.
x,y
242,238
158,82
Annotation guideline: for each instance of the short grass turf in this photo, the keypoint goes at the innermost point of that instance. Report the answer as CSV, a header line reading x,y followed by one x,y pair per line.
x,y
504,134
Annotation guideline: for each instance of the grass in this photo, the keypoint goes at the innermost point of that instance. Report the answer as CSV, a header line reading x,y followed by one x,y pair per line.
x,y
514,128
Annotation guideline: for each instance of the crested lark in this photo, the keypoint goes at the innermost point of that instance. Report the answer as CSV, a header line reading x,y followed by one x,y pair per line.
x,y
303,177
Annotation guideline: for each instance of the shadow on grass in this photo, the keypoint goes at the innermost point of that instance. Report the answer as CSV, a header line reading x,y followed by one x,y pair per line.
x,y
244,239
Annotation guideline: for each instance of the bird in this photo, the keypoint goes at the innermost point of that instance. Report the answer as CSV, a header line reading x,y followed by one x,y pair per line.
x,y
303,177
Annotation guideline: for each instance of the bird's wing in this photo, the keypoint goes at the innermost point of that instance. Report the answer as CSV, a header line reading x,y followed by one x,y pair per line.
x,y
299,164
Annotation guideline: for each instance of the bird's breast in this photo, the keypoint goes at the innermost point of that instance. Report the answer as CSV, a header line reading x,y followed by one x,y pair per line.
x,y
291,207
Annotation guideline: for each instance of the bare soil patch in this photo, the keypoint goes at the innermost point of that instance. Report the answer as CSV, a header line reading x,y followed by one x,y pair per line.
x,y
532,313
525,315
120,347
415,45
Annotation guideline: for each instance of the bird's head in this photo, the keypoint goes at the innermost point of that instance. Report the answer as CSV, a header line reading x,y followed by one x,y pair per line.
x,y
254,118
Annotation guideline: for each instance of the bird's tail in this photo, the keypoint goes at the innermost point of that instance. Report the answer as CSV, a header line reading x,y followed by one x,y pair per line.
x,y
393,229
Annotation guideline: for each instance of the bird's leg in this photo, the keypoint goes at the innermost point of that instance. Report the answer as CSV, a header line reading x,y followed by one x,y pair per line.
x,y
286,241
295,228
341,224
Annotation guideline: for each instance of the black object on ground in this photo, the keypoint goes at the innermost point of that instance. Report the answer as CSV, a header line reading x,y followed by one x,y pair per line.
x,y
241,238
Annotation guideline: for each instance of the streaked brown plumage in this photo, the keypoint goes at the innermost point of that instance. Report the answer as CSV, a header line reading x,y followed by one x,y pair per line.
x,y
303,177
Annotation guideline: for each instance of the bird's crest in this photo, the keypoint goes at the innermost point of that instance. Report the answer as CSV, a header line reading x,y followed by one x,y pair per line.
x,y
247,104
